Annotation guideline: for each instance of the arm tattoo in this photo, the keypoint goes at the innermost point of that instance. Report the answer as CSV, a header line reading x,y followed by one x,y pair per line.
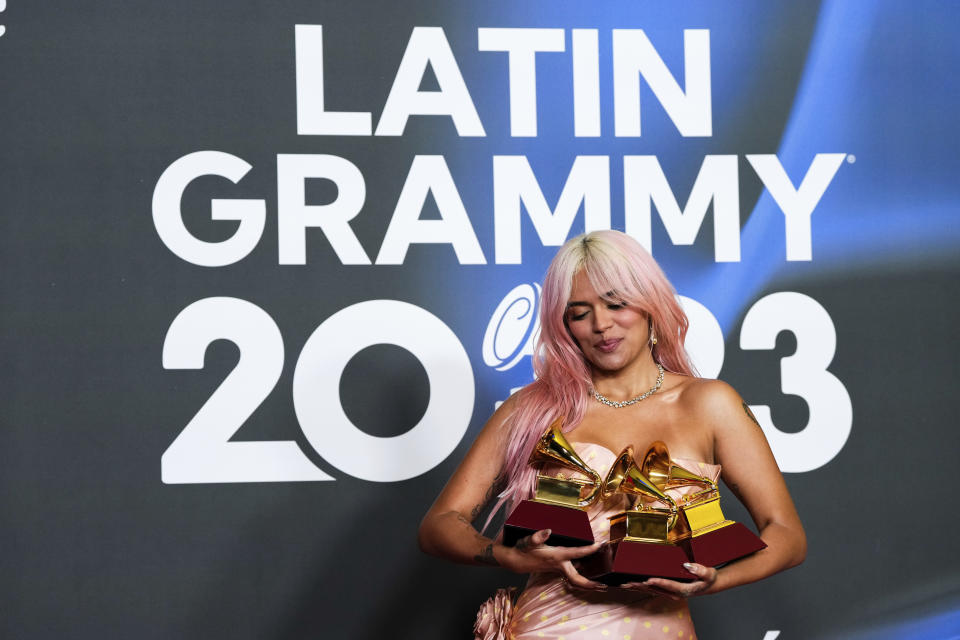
x,y
749,413
498,485
486,556
475,512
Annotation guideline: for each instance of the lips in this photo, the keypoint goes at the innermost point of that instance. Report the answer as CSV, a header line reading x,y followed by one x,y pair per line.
x,y
608,345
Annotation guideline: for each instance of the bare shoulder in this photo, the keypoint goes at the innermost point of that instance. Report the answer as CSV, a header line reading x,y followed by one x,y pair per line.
x,y
715,402
706,392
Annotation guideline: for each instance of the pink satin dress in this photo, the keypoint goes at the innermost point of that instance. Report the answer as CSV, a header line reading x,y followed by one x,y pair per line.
x,y
549,608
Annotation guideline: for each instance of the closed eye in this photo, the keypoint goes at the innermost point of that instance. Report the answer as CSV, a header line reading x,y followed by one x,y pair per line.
x,y
613,306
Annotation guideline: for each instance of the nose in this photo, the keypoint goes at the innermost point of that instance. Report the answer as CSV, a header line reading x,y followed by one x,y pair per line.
x,y
602,319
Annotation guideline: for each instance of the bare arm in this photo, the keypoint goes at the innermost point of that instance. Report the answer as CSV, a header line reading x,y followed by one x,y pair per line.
x,y
751,472
448,531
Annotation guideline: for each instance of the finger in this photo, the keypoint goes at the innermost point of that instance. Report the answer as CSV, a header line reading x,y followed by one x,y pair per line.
x,y
673,588
707,574
575,579
637,586
540,537
535,539
662,583
660,591
572,553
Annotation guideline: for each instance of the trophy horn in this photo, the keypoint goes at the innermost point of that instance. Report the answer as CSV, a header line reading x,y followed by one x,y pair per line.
x,y
666,474
554,446
626,477
617,473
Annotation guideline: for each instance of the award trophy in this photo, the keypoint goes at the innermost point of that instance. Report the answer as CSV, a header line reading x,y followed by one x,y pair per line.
x,y
640,546
558,503
702,530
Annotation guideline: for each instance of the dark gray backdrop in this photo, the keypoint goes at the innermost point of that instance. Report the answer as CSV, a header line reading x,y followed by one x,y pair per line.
x,y
98,99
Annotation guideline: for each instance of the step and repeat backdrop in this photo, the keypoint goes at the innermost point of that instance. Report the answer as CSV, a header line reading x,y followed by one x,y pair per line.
x,y
268,267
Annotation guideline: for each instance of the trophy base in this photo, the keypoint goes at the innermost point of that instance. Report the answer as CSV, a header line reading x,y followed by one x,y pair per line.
x,y
569,526
633,561
723,545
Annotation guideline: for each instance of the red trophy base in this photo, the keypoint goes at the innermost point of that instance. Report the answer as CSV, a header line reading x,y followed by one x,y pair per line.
x,y
723,545
569,526
635,561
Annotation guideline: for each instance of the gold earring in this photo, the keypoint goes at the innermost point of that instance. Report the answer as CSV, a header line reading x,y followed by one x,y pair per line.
x,y
653,339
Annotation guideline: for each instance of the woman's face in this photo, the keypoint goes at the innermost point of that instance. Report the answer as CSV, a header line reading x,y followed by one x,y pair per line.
x,y
612,336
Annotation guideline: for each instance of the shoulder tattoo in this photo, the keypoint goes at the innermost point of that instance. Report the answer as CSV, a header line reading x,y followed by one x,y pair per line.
x,y
746,409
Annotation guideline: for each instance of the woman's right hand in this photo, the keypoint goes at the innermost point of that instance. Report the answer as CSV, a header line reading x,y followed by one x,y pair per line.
x,y
532,555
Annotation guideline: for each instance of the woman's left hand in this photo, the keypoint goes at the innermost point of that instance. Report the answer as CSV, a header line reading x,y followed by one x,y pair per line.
x,y
675,589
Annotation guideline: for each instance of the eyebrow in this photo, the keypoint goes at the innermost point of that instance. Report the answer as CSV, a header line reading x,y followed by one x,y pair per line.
x,y
609,295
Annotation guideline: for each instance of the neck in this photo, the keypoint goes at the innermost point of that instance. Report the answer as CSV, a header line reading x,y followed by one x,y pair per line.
x,y
629,382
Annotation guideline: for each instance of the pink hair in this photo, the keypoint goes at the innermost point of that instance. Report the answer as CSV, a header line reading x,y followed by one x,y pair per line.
x,y
616,264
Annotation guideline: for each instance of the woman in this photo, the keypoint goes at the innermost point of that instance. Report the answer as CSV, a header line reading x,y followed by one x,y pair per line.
x,y
610,361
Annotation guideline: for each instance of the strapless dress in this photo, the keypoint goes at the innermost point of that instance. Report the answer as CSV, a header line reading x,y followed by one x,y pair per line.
x,y
549,608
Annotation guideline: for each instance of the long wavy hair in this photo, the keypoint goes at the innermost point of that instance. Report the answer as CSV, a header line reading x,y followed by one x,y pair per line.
x,y
620,268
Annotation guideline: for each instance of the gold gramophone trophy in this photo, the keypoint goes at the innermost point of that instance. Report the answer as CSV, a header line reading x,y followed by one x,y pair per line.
x,y
702,530
559,503
640,546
